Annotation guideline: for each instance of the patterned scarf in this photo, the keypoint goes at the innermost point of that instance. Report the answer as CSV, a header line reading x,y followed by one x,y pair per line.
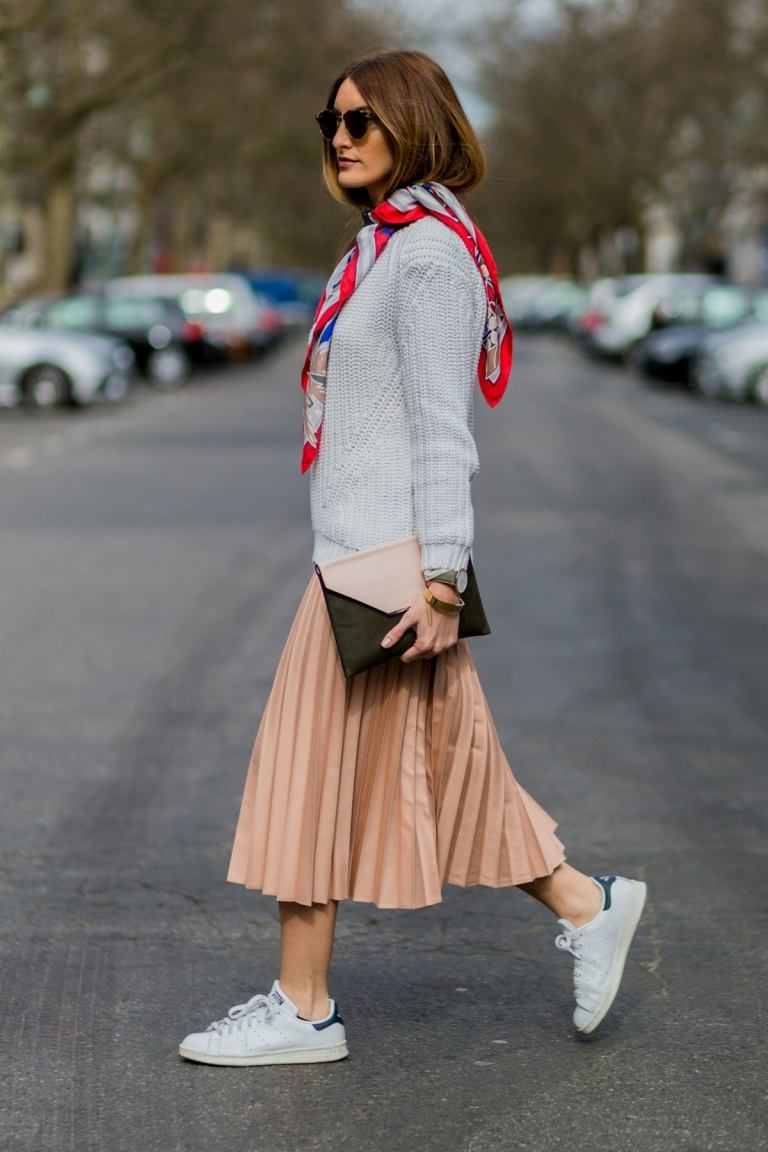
x,y
403,207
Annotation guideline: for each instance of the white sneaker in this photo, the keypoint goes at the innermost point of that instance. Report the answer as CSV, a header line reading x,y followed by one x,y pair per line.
x,y
268,1030
600,948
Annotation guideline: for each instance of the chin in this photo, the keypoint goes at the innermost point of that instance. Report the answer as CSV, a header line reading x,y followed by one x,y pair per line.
x,y
351,180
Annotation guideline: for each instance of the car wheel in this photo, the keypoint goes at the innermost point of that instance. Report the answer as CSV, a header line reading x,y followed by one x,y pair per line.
x,y
760,387
167,368
706,382
47,386
116,388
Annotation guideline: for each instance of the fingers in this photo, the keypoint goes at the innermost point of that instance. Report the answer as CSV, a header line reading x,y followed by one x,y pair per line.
x,y
424,650
409,620
416,653
433,636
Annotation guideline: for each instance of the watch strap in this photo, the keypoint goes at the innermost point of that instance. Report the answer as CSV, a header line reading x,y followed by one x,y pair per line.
x,y
454,578
442,605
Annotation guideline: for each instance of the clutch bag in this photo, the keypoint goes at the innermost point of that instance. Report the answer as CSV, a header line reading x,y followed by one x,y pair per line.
x,y
367,592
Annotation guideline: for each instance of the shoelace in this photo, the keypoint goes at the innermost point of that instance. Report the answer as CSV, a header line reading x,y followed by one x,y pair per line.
x,y
257,1005
571,942
583,968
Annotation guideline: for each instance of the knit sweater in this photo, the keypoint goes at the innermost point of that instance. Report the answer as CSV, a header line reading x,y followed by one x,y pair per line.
x,y
397,452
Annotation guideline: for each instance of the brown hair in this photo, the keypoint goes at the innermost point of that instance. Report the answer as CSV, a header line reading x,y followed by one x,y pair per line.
x,y
421,116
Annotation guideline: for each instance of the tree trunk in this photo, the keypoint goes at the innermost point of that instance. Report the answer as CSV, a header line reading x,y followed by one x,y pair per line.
x,y
219,242
60,210
182,234
141,235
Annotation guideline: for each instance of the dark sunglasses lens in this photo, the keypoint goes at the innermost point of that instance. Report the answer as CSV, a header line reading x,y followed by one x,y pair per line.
x,y
328,123
356,123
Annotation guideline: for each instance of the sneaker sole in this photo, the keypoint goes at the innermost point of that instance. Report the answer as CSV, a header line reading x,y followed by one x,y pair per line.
x,y
628,929
289,1056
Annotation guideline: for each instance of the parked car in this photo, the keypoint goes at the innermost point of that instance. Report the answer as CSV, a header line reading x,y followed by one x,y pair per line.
x,y
293,293
630,316
164,342
229,313
601,298
683,320
734,365
43,369
545,304
517,292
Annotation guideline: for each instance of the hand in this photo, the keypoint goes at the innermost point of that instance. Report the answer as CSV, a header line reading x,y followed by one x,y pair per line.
x,y
435,630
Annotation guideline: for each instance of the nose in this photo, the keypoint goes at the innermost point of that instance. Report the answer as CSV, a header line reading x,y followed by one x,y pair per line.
x,y
342,138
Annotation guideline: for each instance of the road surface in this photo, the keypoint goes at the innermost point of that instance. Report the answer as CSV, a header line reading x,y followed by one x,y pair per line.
x,y
152,559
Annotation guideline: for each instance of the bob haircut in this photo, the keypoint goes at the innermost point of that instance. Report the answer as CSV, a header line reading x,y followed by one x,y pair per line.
x,y
421,116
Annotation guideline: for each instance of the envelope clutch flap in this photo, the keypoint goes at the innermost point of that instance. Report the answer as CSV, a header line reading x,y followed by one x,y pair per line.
x,y
387,578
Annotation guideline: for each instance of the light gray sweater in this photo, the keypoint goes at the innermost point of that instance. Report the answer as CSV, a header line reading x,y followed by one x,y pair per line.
x,y
397,452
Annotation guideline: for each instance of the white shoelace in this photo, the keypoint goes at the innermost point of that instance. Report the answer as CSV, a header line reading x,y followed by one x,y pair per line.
x,y
571,942
585,971
257,1005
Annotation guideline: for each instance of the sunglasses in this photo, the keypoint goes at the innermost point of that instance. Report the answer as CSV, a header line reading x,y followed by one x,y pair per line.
x,y
356,122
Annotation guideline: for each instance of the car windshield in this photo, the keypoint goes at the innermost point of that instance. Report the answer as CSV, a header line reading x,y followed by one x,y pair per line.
x,y
126,314
722,307
74,312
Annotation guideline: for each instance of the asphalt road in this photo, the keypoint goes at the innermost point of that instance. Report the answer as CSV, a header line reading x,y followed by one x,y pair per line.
x,y
152,559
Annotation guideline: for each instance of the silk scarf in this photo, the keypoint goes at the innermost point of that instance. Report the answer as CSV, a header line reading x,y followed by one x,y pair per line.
x,y
403,207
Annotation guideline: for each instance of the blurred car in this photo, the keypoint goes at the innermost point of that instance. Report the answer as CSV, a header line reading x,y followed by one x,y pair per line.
x,y
44,369
683,320
543,304
734,365
163,341
630,316
601,298
517,292
229,314
293,293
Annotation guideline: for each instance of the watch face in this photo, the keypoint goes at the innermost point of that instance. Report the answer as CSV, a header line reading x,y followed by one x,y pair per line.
x,y
461,581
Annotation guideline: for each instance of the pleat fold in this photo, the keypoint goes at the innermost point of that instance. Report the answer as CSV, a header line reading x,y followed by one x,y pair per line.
x,y
384,787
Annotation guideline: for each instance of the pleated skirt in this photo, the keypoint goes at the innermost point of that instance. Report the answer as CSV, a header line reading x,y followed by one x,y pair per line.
x,y
383,787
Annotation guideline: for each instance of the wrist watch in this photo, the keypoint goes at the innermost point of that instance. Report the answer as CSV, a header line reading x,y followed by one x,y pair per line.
x,y
454,577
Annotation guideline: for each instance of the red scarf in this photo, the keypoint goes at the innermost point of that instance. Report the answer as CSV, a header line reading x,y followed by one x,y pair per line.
x,y
403,207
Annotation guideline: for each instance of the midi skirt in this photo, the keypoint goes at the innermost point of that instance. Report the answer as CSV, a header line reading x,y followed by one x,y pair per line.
x,y
383,787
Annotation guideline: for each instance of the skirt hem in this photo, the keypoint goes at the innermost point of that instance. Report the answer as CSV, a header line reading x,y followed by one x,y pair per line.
x,y
357,898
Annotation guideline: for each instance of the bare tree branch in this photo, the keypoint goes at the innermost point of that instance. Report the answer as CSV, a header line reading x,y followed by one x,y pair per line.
x,y
21,17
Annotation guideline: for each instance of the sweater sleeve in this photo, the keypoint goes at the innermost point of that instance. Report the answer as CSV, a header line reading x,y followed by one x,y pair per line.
x,y
440,321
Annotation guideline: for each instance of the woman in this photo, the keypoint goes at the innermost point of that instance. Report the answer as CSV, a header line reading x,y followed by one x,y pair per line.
x,y
390,784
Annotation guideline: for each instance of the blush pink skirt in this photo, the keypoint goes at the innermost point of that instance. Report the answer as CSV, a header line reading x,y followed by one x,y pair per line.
x,y
383,787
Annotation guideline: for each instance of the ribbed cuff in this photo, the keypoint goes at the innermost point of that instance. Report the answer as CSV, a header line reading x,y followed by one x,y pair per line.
x,y
444,556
